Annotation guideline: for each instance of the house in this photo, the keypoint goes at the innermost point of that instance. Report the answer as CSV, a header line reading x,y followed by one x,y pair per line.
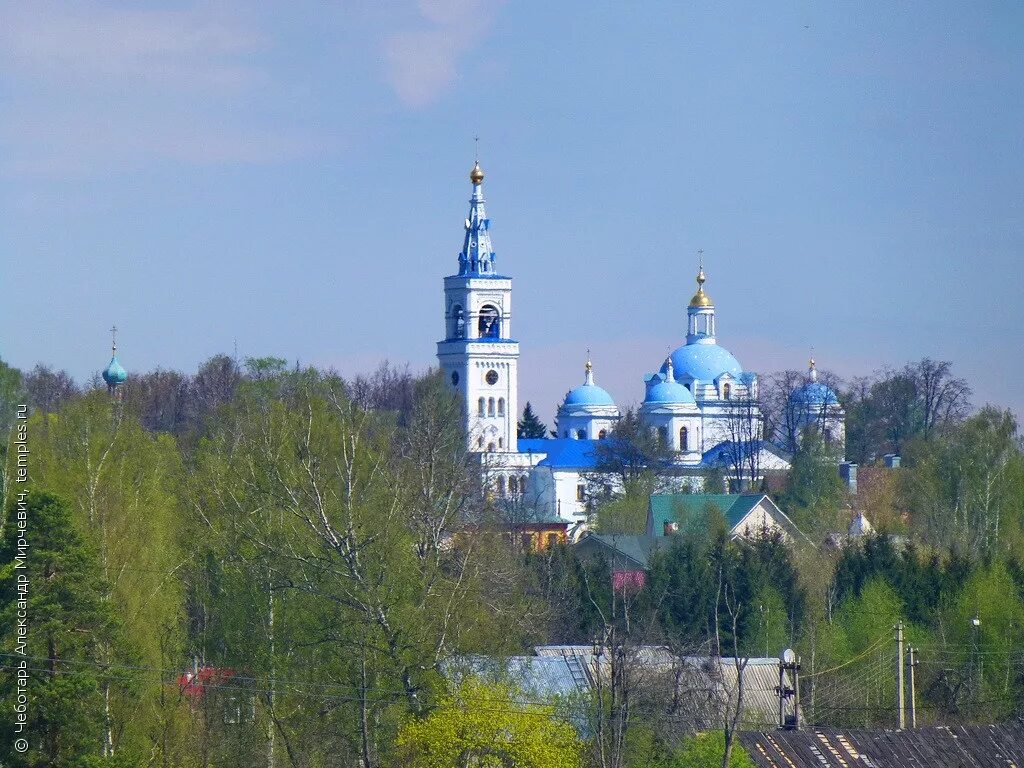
x,y
747,515
963,746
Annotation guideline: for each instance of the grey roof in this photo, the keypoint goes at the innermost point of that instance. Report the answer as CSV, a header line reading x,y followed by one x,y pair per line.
x,y
706,686
634,549
957,746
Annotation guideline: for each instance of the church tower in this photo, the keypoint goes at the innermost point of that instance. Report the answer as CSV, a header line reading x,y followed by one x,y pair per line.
x,y
478,356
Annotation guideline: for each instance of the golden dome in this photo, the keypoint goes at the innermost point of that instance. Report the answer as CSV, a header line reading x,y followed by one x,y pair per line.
x,y
477,174
701,299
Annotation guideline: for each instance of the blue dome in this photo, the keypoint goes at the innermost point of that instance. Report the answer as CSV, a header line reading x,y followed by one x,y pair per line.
x,y
704,361
669,392
114,373
814,393
588,394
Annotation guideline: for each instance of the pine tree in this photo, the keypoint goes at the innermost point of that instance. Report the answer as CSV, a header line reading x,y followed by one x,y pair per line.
x,y
530,426
68,623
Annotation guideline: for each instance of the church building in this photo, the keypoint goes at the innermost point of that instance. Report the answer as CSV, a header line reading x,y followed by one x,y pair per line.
x,y
700,402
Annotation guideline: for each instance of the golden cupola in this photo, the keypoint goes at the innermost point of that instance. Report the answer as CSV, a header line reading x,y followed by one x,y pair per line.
x,y
701,299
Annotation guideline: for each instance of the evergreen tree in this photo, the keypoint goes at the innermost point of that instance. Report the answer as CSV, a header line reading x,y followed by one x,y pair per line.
x,y
530,426
68,625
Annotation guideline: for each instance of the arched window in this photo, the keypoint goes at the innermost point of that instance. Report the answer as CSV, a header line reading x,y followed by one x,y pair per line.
x,y
727,390
602,434
490,446
501,406
490,406
501,485
828,435
522,484
479,442
458,323
501,442
480,407
581,434
684,439
489,325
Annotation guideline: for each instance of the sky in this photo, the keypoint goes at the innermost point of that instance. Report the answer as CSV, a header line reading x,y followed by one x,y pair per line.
x,y
292,178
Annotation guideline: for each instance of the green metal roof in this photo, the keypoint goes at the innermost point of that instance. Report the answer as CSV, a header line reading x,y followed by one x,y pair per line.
x,y
690,509
636,549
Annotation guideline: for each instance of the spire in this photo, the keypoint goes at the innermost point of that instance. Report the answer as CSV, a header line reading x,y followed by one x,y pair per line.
x,y
588,378
114,374
812,370
670,373
477,257
701,299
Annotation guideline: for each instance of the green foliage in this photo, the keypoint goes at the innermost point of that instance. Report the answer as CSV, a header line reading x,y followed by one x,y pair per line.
x,y
707,750
486,725
814,492
530,426
69,629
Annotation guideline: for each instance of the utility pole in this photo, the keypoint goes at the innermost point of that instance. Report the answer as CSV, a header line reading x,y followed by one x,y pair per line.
x,y
900,694
911,663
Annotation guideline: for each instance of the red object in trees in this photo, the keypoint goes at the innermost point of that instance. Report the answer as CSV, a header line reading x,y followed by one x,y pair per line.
x,y
194,684
628,581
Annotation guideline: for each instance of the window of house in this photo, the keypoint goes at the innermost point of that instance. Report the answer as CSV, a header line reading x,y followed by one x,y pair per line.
x,y
552,540
581,434
501,442
581,493
501,406
490,406
501,486
455,378
479,442
602,434
480,407
663,435
684,439
566,433
490,446
522,484
458,322
727,390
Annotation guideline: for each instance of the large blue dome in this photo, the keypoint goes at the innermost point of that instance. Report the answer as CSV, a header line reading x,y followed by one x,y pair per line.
x,y
588,394
114,373
669,392
704,361
814,393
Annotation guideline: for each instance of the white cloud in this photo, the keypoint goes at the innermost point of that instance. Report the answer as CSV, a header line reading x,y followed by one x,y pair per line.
x,y
423,63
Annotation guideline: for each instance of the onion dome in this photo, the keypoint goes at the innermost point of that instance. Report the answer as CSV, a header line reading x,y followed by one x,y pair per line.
x,y
705,362
701,299
663,387
813,392
477,174
114,373
588,393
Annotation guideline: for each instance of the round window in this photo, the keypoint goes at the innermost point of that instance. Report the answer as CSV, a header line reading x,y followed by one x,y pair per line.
x,y
491,377
455,378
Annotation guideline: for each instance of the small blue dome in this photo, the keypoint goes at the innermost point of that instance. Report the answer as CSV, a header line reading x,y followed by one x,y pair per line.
x,y
669,392
814,393
704,361
114,373
588,394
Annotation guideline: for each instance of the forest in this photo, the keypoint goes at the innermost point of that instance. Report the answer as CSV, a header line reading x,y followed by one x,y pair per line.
x,y
259,564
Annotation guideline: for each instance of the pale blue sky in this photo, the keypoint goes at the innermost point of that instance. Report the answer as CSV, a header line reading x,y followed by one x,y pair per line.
x,y
293,176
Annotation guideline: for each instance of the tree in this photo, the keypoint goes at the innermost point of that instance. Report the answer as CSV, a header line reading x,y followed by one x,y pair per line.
x,y
69,622
814,492
709,749
631,451
530,426
47,390
488,724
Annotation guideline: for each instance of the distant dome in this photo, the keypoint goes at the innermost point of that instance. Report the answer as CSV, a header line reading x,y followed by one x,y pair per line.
x,y
588,394
814,393
669,392
704,361
114,374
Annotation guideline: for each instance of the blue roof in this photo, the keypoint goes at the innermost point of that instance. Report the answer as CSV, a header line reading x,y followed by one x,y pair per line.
x,y
588,394
814,393
562,452
703,361
114,373
668,392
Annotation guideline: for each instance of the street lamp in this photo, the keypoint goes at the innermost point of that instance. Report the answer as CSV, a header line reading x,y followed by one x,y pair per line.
x,y
975,626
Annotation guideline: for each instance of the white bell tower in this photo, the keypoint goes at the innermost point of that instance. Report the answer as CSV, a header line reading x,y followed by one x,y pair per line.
x,y
478,356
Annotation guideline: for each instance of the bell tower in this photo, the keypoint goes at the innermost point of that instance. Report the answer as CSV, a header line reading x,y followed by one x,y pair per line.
x,y
478,356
